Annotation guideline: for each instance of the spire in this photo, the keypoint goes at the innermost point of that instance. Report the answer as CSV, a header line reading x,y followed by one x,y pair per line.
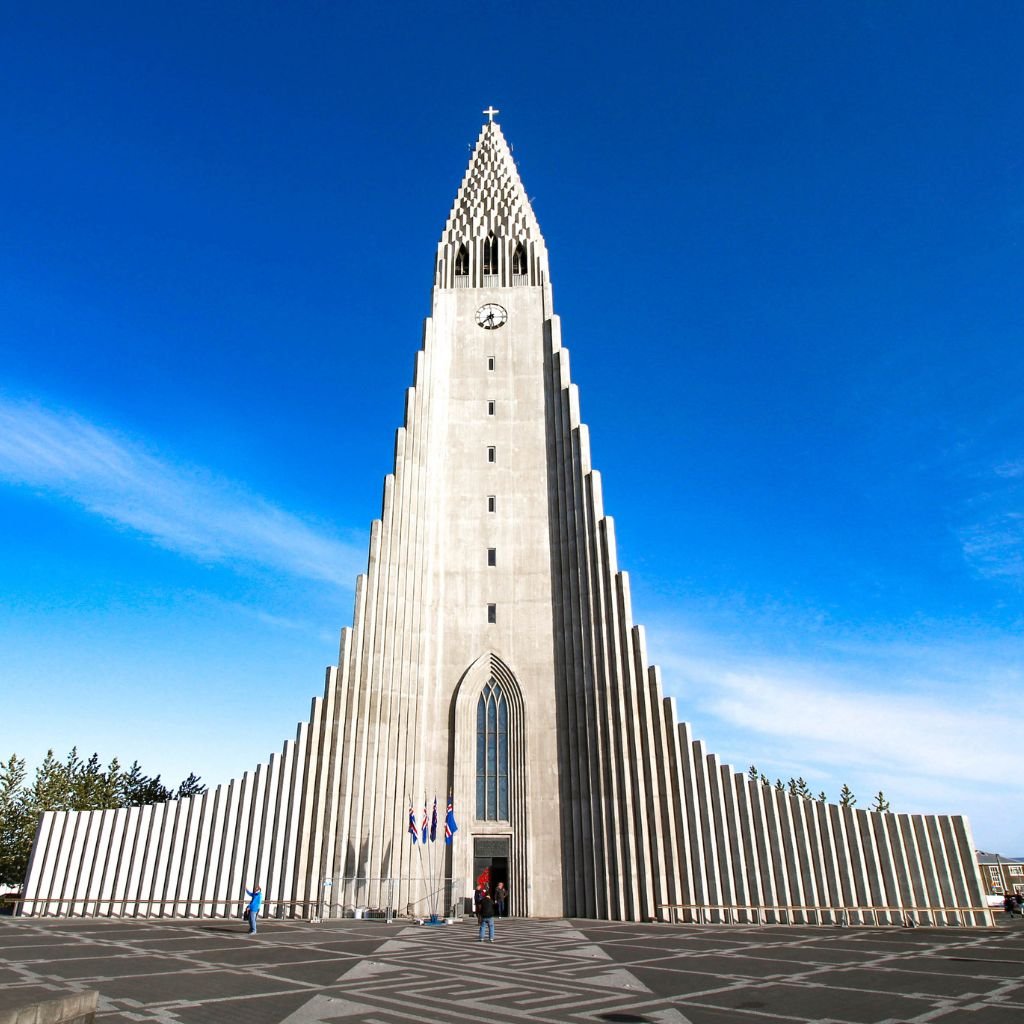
x,y
491,212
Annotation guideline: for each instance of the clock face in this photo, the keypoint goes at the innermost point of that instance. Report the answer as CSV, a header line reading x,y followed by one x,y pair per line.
x,y
491,315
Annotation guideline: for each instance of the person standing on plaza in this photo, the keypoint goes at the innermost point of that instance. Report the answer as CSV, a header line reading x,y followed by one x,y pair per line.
x,y
478,893
255,902
485,914
500,899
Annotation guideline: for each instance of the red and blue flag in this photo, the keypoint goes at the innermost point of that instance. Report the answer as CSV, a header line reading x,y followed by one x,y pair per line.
x,y
412,826
433,822
450,828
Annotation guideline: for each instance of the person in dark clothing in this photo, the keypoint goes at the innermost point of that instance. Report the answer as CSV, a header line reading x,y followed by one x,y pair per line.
x,y
485,914
500,899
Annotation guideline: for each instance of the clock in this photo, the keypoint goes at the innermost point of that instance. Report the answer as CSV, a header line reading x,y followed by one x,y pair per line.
x,y
490,316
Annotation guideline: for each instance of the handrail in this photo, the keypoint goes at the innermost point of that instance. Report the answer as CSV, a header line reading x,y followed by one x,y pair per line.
x,y
171,901
908,915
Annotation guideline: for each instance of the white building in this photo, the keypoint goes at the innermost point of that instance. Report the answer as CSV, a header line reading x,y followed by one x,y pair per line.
x,y
493,656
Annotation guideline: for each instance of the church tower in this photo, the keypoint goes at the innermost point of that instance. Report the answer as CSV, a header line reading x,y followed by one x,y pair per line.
x,y
493,658
450,677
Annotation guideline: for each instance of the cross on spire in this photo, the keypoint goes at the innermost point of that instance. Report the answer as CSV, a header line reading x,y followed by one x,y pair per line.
x,y
490,112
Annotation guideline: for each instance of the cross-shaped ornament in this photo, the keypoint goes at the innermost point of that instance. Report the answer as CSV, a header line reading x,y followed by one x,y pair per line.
x,y
490,112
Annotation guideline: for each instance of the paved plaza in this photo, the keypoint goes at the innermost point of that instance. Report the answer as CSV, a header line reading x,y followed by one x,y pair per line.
x,y
211,972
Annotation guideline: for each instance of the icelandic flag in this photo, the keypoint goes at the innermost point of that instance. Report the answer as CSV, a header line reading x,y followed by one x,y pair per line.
x,y
433,822
426,825
412,826
450,828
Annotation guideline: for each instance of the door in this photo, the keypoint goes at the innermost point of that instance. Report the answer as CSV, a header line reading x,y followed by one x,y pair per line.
x,y
490,864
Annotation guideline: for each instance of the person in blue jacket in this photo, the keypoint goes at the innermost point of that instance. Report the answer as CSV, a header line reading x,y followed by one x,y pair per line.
x,y
256,901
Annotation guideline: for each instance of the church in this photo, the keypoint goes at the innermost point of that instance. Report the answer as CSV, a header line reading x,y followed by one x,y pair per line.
x,y
493,662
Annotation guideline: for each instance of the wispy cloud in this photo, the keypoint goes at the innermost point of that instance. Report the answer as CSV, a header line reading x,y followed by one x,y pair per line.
x,y
992,533
183,508
995,546
931,728
1010,469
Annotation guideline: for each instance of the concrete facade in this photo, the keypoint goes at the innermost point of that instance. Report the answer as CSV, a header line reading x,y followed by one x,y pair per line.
x,y
493,567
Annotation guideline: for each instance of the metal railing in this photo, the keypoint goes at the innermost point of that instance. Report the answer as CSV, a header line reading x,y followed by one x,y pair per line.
x,y
360,899
908,917
375,899
90,906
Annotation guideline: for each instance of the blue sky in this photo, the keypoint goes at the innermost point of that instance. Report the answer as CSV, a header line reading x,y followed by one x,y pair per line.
x,y
786,249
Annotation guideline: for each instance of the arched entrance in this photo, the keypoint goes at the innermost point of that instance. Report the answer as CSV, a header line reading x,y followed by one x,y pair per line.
x,y
488,774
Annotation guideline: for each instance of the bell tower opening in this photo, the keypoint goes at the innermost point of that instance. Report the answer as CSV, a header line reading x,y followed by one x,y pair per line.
x,y
519,261
490,255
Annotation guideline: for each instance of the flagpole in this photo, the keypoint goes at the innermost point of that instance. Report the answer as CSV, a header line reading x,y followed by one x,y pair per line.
x,y
433,891
408,881
440,877
414,834
421,860
423,838
429,869
439,887
433,842
450,826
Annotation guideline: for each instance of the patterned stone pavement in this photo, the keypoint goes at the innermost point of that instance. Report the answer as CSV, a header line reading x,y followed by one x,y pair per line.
x,y
190,972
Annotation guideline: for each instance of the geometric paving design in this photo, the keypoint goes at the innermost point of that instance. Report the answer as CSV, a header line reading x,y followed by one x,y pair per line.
x,y
356,972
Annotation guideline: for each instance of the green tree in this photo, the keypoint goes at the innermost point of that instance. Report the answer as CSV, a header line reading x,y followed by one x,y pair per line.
x,y
69,785
86,782
51,788
880,804
192,786
846,797
137,788
752,773
822,797
110,793
799,787
17,823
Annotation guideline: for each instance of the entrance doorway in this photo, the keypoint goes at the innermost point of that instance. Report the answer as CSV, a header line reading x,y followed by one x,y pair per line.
x,y
491,856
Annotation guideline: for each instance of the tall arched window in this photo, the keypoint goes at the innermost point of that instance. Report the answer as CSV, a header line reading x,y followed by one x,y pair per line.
x,y
462,261
519,259
492,754
490,254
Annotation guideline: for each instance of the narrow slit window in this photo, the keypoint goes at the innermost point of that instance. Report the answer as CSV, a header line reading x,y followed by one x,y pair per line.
x,y
492,455
490,408
462,262
491,503
492,613
492,556
490,363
